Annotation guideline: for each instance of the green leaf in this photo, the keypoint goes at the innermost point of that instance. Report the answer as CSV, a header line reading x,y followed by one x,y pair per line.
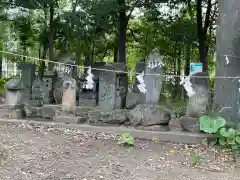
x,y
211,124
228,133
231,141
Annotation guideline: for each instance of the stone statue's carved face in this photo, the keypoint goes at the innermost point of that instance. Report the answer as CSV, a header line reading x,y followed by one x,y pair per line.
x,y
70,83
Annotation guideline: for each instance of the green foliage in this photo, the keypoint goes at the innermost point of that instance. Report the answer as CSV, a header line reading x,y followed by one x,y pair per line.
x,y
227,136
2,83
126,139
179,108
211,124
195,159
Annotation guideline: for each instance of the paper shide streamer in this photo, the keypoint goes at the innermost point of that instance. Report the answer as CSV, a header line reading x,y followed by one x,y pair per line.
x,y
141,86
185,81
89,78
227,60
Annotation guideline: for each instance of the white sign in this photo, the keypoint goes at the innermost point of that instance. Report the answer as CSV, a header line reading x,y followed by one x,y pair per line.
x,y
196,68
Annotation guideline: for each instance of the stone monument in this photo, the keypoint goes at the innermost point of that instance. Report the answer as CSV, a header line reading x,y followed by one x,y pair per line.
x,y
149,115
107,89
198,103
14,98
153,77
28,76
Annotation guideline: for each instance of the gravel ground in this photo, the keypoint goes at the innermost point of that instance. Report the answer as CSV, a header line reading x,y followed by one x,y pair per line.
x,y
50,153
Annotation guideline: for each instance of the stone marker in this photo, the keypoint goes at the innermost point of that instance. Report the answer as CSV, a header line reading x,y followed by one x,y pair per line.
x,y
28,76
198,103
107,89
48,79
37,93
154,81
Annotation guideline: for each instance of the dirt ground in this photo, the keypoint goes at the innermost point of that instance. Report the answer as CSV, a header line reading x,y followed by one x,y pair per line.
x,y
48,153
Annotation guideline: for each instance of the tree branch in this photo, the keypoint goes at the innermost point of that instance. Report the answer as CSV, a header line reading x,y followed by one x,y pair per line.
x,y
130,14
133,35
199,15
199,20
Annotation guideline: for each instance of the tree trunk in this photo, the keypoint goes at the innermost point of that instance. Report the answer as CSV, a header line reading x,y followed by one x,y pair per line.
x,y
202,32
115,49
44,46
42,64
122,31
51,33
203,52
188,59
226,90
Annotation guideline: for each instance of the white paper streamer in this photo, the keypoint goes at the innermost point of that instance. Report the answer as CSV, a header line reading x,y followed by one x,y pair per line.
x,y
142,85
89,78
227,60
185,81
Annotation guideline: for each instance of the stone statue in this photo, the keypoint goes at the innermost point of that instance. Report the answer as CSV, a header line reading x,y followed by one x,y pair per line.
x,y
65,91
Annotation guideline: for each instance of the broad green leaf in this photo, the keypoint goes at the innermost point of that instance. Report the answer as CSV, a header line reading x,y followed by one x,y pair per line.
x,y
211,124
228,133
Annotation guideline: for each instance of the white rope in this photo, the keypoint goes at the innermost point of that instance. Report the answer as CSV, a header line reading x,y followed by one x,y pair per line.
x,y
108,70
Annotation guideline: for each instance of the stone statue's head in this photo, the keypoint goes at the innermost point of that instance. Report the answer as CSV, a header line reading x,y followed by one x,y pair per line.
x,y
69,83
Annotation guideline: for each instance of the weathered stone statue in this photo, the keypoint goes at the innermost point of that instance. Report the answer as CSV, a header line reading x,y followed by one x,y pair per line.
x,y
69,93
